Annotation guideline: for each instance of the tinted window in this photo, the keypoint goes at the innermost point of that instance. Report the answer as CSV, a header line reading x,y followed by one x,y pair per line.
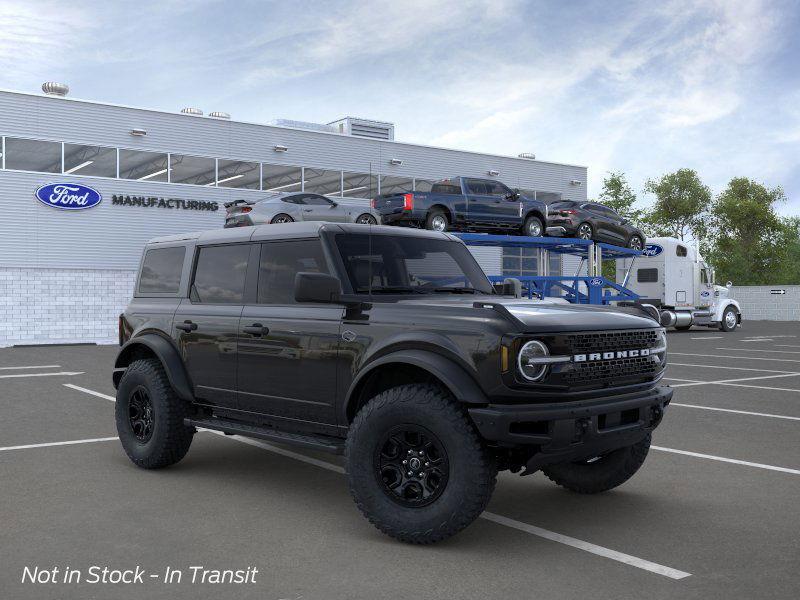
x,y
161,271
280,262
33,155
681,251
476,186
495,188
220,272
144,166
316,200
90,160
446,187
647,275
197,170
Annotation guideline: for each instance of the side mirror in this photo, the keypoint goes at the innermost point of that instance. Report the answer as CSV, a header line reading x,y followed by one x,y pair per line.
x,y
334,204
729,285
317,287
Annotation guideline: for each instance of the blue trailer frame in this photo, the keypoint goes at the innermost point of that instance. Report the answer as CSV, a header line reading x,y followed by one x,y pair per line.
x,y
598,289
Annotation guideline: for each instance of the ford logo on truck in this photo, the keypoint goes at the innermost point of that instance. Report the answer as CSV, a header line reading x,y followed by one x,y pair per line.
x,y
652,250
68,196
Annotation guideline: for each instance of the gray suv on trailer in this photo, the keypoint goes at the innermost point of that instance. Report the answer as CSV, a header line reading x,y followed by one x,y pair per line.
x,y
391,347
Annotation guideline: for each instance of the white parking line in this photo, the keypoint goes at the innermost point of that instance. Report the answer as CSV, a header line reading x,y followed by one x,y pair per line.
x,y
732,381
31,367
708,337
759,350
627,559
92,392
67,443
673,364
738,412
787,346
739,357
761,387
727,460
15,375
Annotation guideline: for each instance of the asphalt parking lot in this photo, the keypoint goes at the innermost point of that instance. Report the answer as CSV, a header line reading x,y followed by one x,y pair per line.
x,y
714,512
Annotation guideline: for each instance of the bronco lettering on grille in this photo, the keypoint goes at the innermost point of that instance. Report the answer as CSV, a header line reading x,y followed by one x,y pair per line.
x,y
610,355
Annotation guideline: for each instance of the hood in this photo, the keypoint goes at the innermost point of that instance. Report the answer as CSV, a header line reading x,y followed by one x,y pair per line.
x,y
543,316
720,291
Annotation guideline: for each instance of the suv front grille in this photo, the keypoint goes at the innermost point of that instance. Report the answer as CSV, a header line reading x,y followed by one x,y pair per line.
x,y
611,370
584,343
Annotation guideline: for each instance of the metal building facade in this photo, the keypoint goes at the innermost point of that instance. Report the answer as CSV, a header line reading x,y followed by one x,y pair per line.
x,y
42,246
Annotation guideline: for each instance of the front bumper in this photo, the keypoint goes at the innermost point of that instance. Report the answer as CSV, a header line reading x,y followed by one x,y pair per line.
x,y
560,432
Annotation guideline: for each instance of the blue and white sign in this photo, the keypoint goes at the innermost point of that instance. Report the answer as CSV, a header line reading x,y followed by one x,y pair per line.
x,y
652,250
68,196
705,293
595,282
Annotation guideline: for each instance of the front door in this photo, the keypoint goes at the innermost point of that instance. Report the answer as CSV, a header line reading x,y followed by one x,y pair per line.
x,y
288,351
207,323
319,208
481,204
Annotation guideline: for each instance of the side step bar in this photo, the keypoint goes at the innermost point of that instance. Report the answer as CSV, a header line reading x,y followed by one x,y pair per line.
x,y
314,442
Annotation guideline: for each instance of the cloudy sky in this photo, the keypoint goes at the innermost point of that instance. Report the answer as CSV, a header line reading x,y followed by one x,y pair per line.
x,y
641,87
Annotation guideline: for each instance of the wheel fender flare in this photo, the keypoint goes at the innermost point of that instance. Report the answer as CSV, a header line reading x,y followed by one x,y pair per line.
x,y
166,352
723,306
454,377
535,212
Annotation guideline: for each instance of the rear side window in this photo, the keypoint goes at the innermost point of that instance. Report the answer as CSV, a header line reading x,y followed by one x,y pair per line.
x,y
446,187
476,186
220,274
647,275
161,270
280,262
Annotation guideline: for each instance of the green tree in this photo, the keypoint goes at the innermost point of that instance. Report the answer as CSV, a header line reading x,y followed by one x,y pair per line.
x,y
618,195
681,205
749,243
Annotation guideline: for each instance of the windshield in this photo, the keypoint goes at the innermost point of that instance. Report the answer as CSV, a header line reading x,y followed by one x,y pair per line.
x,y
388,264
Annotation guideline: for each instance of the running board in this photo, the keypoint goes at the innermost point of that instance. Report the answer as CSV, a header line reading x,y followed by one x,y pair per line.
x,y
313,442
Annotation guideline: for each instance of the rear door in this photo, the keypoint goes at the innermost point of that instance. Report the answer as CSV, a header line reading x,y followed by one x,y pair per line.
x,y
288,351
207,323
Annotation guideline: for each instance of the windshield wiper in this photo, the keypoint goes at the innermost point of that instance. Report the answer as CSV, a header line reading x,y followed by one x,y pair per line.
x,y
396,289
457,290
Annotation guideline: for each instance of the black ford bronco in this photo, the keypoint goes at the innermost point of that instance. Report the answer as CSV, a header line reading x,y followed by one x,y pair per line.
x,y
389,346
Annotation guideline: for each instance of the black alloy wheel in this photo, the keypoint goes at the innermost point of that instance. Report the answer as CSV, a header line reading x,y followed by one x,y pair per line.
x,y
366,219
140,415
584,231
282,218
635,243
411,465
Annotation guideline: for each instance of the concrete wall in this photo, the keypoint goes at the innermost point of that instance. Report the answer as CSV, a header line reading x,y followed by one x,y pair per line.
x,y
759,304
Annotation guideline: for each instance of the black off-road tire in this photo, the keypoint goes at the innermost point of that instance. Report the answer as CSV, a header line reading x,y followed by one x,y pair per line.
x,y
471,476
170,439
605,473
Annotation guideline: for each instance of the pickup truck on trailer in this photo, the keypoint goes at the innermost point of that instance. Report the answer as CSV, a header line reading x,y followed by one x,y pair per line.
x,y
389,346
465,204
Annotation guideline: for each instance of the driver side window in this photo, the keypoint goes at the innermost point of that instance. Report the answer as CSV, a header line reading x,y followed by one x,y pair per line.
x,y
315,200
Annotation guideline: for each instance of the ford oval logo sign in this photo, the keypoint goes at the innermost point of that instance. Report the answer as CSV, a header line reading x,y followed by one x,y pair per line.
x,y
596,281
705,293
68,196
652,250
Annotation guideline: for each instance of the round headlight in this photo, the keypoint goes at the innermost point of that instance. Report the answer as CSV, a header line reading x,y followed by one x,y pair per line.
x,y
527,362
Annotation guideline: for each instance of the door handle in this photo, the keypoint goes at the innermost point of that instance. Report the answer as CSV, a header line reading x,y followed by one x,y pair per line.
x,y
308,209
186,326
256,329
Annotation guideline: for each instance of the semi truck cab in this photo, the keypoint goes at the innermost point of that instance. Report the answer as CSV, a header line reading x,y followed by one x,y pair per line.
x,y
672,276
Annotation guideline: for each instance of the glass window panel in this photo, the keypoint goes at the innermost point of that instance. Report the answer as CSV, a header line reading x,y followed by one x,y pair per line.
x,y
280,178
546,197
33,155
97,161
144,166
396,185
238,174
194,170
219,277
161,271
360,185
281,262
423,185
322,181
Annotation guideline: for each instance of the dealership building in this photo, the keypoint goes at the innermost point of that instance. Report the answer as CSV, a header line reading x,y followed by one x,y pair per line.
x,y
65,275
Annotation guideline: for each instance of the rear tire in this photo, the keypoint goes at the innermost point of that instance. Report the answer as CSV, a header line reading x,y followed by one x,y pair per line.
x,y
437,220
282,218
636,243
149,416
366,219
533,227
415,423
584,232
601,474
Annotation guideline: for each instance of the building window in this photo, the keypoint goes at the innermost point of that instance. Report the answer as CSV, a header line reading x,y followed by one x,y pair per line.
x,y
359,185
143,166
96,161
396,185
194,170
237,174
280,178
322,181
33,155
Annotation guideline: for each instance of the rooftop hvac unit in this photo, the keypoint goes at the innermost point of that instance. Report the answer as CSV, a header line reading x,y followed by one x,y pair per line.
x,y
51,88
376,130
192,111
303,125
219,115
